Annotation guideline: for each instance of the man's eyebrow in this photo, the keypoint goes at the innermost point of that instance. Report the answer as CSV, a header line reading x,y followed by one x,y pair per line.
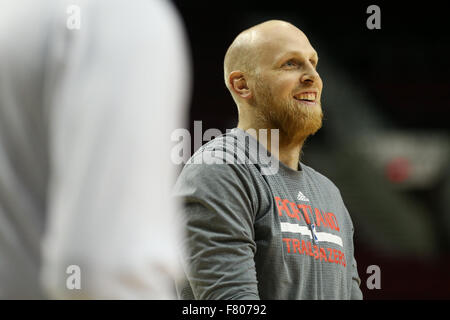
x,y
290,54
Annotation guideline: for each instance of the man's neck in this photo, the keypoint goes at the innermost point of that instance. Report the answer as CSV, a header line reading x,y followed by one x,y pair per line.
x,y
288,151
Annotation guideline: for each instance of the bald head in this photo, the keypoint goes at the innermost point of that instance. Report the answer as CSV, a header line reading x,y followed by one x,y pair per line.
x,y
270,70
244,53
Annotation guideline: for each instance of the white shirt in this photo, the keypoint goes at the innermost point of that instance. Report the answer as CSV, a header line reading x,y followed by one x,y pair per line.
x,y
85,171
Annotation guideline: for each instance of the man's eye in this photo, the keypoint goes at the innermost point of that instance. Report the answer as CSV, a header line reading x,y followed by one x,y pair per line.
x,y
290,63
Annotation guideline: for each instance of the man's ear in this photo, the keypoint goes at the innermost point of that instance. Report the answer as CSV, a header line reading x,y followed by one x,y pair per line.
x,y
239,84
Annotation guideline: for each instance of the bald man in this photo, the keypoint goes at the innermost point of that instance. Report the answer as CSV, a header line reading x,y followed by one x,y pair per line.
x,y
266,232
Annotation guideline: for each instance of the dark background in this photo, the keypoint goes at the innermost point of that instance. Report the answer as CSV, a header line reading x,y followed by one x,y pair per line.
x,y
386,102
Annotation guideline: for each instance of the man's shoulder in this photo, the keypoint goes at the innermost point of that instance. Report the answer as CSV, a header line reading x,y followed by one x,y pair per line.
x,y
222,150
320,178
215,165
227,148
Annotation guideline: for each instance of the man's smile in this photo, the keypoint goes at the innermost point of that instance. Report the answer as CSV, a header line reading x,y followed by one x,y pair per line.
x,y
307,97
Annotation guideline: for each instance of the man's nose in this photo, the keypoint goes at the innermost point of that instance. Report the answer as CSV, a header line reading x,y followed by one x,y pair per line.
x,y
310,75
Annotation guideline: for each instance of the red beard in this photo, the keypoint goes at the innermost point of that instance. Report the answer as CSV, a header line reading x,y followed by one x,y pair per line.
x,y
295,121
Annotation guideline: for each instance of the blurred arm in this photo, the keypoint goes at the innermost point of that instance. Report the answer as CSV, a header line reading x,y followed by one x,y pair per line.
x,y
116,89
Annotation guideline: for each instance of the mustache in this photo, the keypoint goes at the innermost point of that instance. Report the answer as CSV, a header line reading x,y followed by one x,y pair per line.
x,y
310,88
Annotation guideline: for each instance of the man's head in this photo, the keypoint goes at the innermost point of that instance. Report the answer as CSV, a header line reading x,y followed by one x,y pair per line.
x,y
270,70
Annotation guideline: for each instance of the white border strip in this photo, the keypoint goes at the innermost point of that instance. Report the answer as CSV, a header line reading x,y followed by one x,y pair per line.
x,y
303,230
328,237
295,228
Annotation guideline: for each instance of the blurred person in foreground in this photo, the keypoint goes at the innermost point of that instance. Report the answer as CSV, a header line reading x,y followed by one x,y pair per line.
x,y
85,171
258,232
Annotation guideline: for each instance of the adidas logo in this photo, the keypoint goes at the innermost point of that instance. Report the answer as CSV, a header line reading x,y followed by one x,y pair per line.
x,y
302,197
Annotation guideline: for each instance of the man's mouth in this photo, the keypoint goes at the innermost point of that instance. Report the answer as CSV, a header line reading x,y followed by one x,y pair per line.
x,y
306,97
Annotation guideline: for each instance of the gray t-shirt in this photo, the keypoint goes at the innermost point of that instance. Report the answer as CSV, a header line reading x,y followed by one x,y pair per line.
x,y
286,235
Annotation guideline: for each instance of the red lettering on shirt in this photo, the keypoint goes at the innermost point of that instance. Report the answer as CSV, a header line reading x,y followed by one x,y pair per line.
x,y
343,259
300,247
287,241
329,220
281,207
291,209
304,250
296,245
294,209
304,207
323,255
334,220
335,255
316,252
330,258
319,219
